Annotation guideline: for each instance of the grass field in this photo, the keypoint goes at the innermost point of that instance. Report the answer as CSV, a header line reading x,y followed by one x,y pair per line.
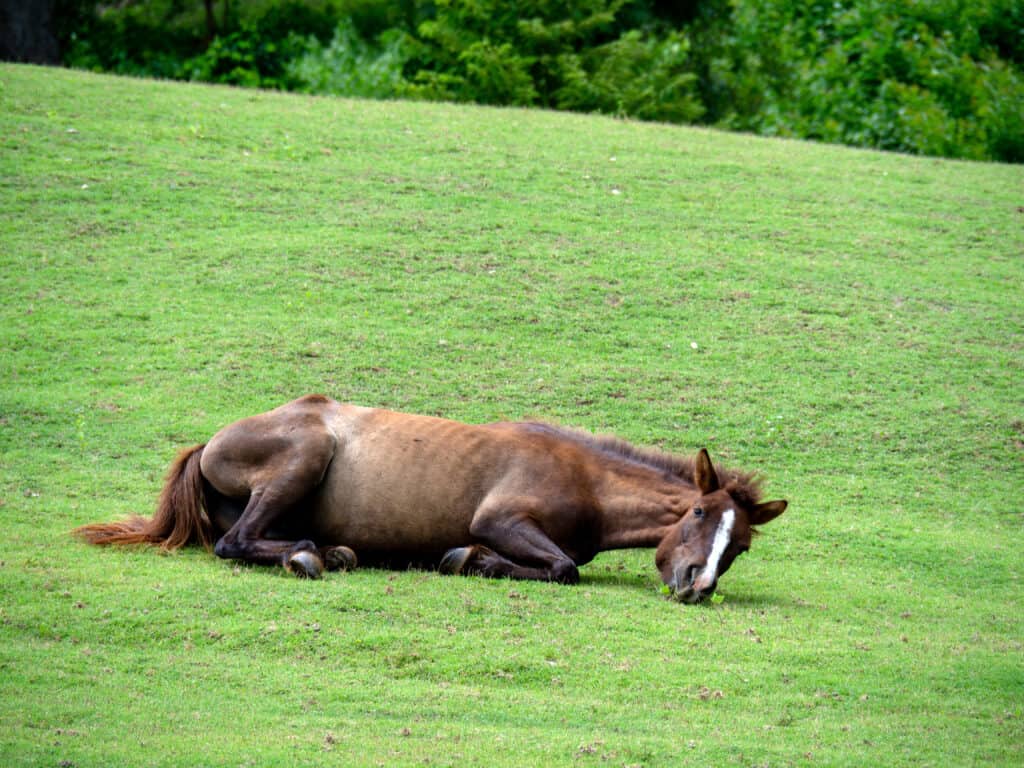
x,y
175,257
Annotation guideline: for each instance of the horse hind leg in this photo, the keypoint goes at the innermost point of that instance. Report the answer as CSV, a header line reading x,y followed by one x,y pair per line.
x,y
304,561
298,557
279,474
245,540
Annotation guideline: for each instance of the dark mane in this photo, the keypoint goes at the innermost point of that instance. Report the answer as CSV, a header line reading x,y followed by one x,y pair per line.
x,y
745,487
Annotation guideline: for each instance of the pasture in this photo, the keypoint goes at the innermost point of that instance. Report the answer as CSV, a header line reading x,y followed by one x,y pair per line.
x,y
175,257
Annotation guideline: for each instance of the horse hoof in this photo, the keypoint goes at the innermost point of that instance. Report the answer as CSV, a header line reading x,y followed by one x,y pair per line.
x,y
454,560
305,564
340,559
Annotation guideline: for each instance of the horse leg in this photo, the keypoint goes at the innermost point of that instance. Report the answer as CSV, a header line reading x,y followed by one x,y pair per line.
x,y
302,558
279,464
339,558
479,560
245,539
514,546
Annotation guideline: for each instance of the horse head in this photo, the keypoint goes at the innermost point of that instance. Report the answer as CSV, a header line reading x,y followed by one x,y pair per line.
x,y
715,530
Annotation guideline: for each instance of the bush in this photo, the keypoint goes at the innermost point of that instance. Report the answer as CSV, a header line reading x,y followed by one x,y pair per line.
x,y
891,74
244,57
647,78
351,66
502,53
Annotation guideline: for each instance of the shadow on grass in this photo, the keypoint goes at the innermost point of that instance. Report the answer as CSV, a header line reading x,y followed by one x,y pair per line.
x,y
610,577
746,597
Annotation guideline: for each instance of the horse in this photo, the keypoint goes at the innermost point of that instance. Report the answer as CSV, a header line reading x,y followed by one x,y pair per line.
x,y
316,484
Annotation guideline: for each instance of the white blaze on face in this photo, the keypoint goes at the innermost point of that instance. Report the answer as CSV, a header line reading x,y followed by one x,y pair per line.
x,y
722,537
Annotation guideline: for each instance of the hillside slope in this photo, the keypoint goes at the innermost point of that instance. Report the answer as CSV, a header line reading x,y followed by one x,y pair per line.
x,y
848,322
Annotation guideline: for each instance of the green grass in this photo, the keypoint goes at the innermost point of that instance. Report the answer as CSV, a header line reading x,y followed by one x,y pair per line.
x,y
175,257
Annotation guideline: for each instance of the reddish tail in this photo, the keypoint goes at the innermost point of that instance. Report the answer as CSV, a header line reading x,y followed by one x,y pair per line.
x,y
180,516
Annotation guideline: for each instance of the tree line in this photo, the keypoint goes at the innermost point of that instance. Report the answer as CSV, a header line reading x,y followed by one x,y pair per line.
x,y
935,77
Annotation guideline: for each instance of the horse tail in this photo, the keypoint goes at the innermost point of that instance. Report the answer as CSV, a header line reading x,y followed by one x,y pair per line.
x,y
180,516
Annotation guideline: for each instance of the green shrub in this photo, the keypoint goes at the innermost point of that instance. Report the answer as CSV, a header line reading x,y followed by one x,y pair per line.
x,y
351,66
502,53
647,78
892,74
242,57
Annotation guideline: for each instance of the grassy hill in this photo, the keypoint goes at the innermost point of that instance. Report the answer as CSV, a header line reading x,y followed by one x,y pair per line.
x,y
175,257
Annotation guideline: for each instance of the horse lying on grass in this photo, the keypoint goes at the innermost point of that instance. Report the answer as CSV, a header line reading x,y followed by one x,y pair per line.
x,y
310,484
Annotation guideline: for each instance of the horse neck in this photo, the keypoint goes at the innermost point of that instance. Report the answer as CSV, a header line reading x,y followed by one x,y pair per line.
x,y
639,507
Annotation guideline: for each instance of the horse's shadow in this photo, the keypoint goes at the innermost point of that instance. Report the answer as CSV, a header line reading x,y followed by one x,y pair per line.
x,y
612,577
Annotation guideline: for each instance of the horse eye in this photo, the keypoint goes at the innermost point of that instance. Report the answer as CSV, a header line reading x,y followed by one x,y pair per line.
x,y
698,512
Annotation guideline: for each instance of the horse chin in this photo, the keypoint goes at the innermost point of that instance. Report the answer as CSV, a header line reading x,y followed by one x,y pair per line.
x,y
689,596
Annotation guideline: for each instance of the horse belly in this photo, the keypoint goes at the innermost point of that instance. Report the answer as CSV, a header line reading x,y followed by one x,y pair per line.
x,y
402,490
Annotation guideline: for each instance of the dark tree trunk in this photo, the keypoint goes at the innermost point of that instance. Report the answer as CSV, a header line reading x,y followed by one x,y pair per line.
x,y
26,32
211,21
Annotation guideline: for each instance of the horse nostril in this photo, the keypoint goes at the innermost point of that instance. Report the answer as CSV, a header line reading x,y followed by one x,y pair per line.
x,y
691,574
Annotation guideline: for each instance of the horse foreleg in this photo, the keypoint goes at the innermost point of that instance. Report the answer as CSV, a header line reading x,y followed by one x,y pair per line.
x,y
514,546
479,560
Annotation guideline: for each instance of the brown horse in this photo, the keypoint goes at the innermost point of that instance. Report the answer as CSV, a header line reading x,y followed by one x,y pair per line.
x,y
524,500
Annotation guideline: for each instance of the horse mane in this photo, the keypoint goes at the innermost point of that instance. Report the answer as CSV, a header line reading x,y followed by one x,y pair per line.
x,y
744,487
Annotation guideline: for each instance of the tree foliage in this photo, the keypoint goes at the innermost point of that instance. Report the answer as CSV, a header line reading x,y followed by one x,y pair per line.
x,y
938,78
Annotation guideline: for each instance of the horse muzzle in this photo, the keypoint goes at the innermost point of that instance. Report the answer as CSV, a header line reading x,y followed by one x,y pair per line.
x,y
691,585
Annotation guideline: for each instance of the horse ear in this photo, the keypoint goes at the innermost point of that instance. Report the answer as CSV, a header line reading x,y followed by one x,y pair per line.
x,y
765,513
704,473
